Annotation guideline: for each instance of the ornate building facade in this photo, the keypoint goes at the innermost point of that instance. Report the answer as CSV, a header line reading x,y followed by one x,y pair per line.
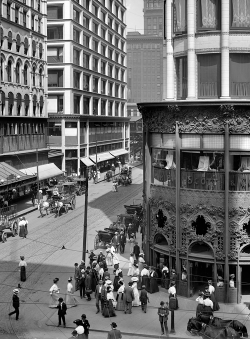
x,y
197,150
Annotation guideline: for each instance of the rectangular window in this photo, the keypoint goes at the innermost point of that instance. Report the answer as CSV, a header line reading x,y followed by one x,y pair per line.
x,y
85,60
104,50
76,79
209,72
110,93
95,45
240,75
180,16
95,84
122,59
116,27
122,31
76,15
77,100
85,22
95,64
103,87
110,21
95,27
117,109
55,12
116,57
86,82
103,67
117,73
24,18
86,4
95,106
16,15
85,40
95,10
122,92
110,53
110,38
116,42
110,72
181,69
55,54
76,35
55,32
76,57
86,105
103,16
103,33
117,90
103,107
208,14
55,78
39,25
33,22
240,14
122,75
110,108
8,10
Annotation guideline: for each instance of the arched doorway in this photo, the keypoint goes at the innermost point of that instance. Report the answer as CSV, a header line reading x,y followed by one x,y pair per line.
x,y
245,267
201,263
161,253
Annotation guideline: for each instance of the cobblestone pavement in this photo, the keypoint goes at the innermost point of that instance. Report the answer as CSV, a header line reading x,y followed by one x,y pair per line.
x,y
42,251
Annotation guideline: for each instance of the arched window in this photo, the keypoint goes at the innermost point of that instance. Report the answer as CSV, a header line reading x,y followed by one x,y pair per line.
x,y
10,102
34,76
2,68
40,77
18,73
26,104
33,48
1,37
34,104
18,104
41,107
25,75
3,102
18,42
40,51
26,46
9,71
200,225
9,40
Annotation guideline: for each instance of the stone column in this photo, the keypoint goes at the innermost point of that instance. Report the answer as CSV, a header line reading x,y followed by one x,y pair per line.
x,y
168,61
191,57
225,49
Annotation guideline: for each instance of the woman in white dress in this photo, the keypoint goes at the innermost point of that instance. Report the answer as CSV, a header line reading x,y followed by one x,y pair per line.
x,y
109,257
131,265
136,301
70,298
141,262
54,294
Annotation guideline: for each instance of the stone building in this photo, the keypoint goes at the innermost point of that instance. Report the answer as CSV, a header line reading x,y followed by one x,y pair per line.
x,y
197,150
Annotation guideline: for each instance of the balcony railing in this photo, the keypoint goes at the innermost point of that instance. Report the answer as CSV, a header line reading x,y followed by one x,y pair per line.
x,y
13,143
162,176
203,180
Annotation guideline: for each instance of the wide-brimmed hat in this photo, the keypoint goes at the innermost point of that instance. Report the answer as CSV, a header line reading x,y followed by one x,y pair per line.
x,y
16,291
134,278
145,266
232,276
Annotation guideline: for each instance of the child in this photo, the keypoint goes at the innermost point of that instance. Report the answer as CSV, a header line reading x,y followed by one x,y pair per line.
x,y
144,299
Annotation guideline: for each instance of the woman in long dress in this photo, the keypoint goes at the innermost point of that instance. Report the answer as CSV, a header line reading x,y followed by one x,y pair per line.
x,y
141,262
70,298
21,226
200,306
153,285
22,265
54,291
109,257
108,309
120,302
131,265
118,275
136,301
132,242
211,290
145,277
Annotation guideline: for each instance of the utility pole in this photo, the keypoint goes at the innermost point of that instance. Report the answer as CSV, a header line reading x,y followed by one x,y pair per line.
x,y
37,178
85,222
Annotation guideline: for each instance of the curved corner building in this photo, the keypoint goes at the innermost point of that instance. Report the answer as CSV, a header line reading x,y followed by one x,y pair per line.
x,y
197,149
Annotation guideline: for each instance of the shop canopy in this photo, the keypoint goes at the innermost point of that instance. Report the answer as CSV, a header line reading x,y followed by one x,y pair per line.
x,y
118,152
87,162
45,171
11,174
102,157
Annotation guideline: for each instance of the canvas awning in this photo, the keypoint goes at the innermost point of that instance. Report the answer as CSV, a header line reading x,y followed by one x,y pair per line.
x,y
118,152
9,173
102,157
87,162
45,171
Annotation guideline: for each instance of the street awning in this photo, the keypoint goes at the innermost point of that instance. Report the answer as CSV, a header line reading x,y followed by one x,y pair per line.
x,y
45,171
102,157
118,152
87,162
9,173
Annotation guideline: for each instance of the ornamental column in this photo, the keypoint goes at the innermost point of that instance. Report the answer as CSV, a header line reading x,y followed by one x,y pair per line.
x,y
191,57
225,92
168,59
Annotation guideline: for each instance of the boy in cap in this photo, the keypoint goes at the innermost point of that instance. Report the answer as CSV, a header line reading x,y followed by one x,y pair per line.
x,y
15,303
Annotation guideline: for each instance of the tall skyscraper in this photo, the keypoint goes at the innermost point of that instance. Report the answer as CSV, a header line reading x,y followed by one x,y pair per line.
x,y
87,82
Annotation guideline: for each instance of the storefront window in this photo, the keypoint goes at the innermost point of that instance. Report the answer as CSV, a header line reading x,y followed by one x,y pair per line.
x,y
163,167
208,15
180,16
240,14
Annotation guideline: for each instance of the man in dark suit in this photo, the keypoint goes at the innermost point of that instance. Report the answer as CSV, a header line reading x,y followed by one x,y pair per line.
x,y
136,251
122,242
114,333
100,295
144,299
116,241
15,303
100,257
86,325
163,317
128,297
62,308
82,284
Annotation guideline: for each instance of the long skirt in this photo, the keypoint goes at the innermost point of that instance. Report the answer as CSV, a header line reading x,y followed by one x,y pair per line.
x,y
145,282
216,306
199,309
22,232
54,300
109,259
136,301
71,300
131,271
153,285
116,285
120,303
139,283
108,309
23,273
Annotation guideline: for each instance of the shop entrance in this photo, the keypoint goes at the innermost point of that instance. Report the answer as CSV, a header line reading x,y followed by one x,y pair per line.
x,y
200,273
245,280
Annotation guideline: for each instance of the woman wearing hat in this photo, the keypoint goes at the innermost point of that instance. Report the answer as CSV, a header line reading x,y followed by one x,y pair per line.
x,y
54,291
211,290
200,306
109,256
136,301
145,277
231,280
153,284
132,242
21,225
120,294
220,282
70,298
22,265
141,262
108,309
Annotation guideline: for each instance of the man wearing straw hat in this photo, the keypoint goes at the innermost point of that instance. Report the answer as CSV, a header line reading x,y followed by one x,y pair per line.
x,y
15,303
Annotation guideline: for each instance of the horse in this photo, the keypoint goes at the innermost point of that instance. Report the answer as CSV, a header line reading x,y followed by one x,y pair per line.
x,y
235,324
194,326
212,332
44,206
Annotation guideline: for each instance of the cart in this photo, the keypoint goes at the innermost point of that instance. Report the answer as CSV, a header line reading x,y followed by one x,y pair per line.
x,y
8,222
67,193
103,238
80,185
125,177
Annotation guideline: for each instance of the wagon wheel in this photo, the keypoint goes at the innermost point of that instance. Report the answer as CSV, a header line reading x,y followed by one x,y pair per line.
x,y
73,203
14,229
96,242
3,236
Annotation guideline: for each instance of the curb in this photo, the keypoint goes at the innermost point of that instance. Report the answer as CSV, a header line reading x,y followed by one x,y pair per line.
x,y
26,211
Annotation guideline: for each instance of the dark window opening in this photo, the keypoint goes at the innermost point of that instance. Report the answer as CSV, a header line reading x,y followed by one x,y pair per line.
x,y
200,225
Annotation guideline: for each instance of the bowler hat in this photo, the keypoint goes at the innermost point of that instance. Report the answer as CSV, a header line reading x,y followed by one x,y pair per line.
x,y
113,325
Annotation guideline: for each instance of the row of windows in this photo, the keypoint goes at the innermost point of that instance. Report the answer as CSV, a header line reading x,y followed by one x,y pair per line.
x,y
21,74
209,15
20,106
19,15
22,47
209,76
112,6
154,4
22,129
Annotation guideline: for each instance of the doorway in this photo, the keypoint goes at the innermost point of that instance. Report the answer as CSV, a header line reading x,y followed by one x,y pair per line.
x,y
200,273
245,280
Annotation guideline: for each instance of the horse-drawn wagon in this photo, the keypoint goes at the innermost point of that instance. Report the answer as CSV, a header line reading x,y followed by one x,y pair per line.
x,y
8,222
104,237
125,177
